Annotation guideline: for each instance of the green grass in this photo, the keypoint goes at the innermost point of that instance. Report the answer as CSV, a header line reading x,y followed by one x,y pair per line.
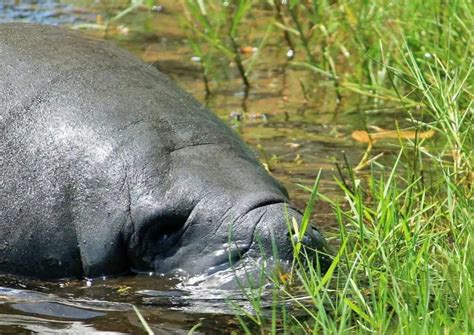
x,y
214,26
403,263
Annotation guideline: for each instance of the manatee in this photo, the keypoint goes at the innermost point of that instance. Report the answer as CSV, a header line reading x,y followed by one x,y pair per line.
x,y
107,167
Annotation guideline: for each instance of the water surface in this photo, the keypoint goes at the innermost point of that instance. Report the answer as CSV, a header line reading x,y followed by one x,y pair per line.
x,y
295,137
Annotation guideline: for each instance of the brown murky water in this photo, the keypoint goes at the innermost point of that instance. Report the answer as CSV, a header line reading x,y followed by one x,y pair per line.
x,y
294,137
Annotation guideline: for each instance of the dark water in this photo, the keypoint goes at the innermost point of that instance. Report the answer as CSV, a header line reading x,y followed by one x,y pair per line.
x,y
294,137
106,305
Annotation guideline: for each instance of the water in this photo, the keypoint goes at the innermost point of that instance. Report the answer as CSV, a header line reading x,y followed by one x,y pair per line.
x,y
295,138
168,303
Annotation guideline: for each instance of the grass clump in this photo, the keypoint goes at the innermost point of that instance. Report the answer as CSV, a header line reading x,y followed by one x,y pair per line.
x,y
405,229
403,263
215,28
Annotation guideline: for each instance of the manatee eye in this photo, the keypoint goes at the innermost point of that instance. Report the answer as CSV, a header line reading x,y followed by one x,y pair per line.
x,y
160,233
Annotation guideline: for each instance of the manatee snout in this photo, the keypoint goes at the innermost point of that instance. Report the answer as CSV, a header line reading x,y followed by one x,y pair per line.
x,y
275,234
220,236
259,242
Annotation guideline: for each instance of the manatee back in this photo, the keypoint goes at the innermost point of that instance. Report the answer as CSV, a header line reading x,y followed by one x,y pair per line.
x,y
69,110
86,131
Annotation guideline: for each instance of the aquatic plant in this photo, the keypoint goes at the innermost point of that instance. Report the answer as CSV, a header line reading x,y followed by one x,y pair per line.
x,y
405,229
217,24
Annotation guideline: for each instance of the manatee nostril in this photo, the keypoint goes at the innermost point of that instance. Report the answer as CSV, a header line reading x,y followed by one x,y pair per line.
x,y
311,238
313,242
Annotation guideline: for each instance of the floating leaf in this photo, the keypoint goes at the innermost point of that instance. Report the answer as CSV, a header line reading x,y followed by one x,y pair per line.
x,y
248,50
363,136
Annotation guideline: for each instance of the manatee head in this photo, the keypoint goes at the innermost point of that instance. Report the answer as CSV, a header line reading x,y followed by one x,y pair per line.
x,y
215,217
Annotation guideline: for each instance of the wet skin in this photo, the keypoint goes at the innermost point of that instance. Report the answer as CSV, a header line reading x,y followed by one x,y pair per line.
x,y
107,167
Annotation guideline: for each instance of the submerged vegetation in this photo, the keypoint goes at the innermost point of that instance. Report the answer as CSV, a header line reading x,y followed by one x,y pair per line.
x,y
403,260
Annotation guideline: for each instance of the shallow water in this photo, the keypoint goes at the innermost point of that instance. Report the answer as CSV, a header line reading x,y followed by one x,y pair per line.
x,y
295,138
106,305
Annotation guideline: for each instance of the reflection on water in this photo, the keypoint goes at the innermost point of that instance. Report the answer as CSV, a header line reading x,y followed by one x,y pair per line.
x,y
169,303
48,313
292,136
106,305
45,11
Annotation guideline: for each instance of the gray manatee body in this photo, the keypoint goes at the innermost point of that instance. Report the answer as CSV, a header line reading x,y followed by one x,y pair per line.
x,y
106,166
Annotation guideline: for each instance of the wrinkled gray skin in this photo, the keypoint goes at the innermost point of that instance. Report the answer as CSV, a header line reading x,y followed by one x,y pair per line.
x,y
106,166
